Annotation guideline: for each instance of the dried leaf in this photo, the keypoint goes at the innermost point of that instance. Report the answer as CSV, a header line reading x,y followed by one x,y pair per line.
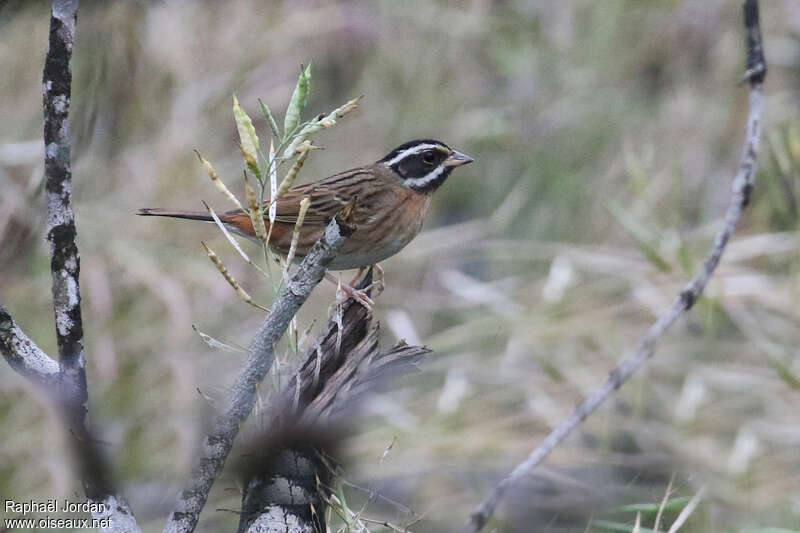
x,y
233,241
218,344
273,189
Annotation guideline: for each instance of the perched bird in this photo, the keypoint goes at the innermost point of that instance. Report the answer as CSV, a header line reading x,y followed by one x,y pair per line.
x,y
390,199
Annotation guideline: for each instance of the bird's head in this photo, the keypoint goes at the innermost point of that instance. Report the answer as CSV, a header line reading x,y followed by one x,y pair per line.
x,y
423,164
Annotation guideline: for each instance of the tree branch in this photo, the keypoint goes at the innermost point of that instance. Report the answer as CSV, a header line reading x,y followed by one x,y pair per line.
x,y
69,376
218,443
24,355
61,233
285,499
741,191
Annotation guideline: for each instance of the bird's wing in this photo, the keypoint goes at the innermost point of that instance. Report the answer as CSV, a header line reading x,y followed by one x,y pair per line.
x,y
328,196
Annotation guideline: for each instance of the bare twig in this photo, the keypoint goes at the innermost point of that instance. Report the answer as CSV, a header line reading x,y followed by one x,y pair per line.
x,y
218,443
687,511
664,500
742,188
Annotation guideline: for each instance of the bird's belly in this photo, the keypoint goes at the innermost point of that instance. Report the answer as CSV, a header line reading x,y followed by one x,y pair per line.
x,y
348,259
372,245
381,235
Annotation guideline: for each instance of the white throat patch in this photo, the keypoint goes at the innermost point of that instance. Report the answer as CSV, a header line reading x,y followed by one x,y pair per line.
x,y
421,183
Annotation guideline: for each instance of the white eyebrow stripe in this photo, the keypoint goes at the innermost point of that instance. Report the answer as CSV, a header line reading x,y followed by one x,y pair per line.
x,y
426,179
408,151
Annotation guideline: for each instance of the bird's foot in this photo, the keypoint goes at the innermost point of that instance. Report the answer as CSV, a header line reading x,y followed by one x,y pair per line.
x,y
378,285
348,291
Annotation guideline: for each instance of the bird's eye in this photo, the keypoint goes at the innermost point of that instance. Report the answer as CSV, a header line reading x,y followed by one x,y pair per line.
x,y
427,158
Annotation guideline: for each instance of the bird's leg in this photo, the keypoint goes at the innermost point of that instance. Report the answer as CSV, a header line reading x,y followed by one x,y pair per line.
x,y
379,283
358,295
357,276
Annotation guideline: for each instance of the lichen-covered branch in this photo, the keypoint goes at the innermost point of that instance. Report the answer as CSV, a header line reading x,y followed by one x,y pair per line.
x,y
741,191
24,355
218,443
68,375
61,233
286,500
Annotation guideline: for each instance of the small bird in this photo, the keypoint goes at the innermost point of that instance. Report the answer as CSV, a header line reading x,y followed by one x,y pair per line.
x,y
389,197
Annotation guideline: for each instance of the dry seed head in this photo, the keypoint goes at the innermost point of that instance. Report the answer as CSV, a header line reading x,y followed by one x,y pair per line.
x,y
303,149
326,121
254,211
247,133
273,126
305,203
218,183
243,294
298,100
251,161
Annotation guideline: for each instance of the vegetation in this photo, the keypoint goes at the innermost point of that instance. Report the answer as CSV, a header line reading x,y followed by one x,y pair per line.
x,y
604,134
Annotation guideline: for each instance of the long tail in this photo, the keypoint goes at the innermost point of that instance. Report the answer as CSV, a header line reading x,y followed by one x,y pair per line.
x,y
189,215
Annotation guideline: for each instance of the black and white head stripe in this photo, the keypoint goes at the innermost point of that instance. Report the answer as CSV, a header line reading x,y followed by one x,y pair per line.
x,y
420,163
413,147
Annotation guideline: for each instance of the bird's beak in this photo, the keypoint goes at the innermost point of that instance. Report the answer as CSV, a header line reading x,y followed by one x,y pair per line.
x,y
457,159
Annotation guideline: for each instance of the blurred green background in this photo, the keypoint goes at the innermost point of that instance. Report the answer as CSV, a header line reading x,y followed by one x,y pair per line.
x,y
605,136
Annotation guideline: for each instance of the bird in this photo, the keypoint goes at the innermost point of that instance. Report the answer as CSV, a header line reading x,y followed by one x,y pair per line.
x,y
389,200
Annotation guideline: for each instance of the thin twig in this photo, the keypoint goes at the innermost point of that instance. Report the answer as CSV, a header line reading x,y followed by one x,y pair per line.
x,y
664,500
218,443
687,511
742,188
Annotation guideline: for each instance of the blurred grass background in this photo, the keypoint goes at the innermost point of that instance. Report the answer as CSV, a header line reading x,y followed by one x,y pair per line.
x,y
605,135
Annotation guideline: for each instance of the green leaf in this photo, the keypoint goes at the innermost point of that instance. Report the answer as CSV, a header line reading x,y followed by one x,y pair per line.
x,y
785,372
319,123
270,120
247,136
607,525
642,237
298,101
673,505
769,530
